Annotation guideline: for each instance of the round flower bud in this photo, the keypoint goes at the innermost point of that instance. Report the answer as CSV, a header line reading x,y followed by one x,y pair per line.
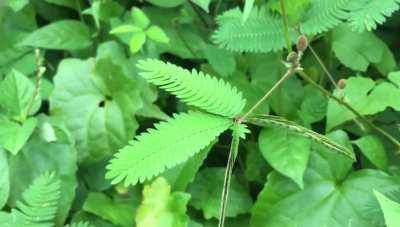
x,y
302,43
292,57
342,83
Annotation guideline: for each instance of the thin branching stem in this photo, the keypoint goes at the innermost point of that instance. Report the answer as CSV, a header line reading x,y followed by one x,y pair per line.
x,y
289,72
39,74
323,66
350,108
228,174
285,26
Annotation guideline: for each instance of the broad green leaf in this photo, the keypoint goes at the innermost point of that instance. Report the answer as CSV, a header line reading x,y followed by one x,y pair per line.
x,y
358,50
47,132
16,93
288,98
156,34
391,209
125,29
97,103
286,152
94,176
374,150
179,35
206,194
366,97
116,53
104,10
139,18
387,62
13,135
331,197
166,3
117,212
11,56
39,156
204,4
314,106
256,167
222,61
17,5
137,41
395,78
57,35
161,208
4,179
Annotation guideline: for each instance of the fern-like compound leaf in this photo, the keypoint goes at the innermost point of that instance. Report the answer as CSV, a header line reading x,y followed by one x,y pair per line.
x,y
261,32
264,32
268,120
38,206
367,14
40,200
169,144
194,88
324,15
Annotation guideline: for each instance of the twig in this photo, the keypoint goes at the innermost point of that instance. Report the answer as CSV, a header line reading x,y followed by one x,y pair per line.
x,y
289,72
228,174
350,108
324,68
39,74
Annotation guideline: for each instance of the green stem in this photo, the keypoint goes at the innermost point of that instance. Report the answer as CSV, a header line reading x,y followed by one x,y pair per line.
x,y
228,173
39,74
289,72
324,68
350,108
286,26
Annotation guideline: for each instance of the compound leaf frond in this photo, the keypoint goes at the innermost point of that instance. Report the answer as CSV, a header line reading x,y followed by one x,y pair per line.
x,y
367,14
169,144
261,32
194,88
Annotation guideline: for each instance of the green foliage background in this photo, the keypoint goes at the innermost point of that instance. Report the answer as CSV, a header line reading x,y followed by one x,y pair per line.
x,y
77,86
